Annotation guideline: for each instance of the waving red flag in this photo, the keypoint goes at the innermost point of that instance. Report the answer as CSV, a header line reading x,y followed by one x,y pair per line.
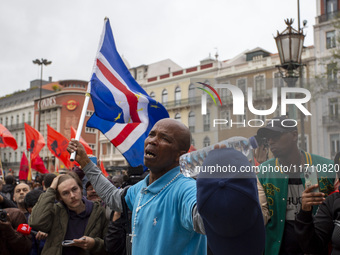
x,y
192,148
57,144
23,172
7,139
34,141
82,141
103,169
38,164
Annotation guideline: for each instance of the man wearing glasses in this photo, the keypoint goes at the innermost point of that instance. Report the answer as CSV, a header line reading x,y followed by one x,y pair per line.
x,y
281,183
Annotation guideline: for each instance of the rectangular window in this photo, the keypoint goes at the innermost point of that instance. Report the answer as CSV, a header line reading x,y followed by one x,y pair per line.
x,y
278,80
333,104
225,115
242,84
206,121
90,130
330,40
331,5
89,113
261,117
335,144
332,74
259,86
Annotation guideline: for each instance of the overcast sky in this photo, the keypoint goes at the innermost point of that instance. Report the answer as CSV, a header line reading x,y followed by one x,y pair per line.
x,y
67,33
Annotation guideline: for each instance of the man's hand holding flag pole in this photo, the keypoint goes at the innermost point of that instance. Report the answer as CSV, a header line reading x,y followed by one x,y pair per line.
x,y
124,112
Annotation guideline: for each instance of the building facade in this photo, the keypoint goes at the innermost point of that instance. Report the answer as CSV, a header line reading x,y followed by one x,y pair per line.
x,y
61,105
325,110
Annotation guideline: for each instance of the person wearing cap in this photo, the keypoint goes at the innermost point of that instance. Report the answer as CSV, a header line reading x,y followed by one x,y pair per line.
x,y
229,205
164,212
281,183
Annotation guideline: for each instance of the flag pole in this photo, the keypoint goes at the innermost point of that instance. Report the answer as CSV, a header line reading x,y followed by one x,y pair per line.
x,y
87,95
82,119
29,176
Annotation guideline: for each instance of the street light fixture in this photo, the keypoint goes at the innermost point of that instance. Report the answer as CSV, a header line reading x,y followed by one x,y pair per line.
x,y
290,44
41,63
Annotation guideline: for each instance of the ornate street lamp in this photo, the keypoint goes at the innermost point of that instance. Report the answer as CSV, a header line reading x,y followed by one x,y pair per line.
x,y
41,63
289,45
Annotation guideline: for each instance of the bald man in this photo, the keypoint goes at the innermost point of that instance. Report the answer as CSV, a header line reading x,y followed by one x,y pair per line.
x,y
20,192
164,213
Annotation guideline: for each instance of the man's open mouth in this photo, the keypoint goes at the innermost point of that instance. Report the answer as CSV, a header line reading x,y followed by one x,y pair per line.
x,y
149,154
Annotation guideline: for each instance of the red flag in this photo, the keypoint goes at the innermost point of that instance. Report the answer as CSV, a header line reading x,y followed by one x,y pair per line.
x,y
57,170
103,169
34,141
192,148
57,144
38,164
82,141
7,139
23,172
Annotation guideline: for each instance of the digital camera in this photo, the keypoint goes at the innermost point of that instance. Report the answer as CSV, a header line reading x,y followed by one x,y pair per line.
x,y
3,215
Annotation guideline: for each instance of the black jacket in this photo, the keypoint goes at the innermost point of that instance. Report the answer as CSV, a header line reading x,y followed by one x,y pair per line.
x,y
8,190
314,235
6,203
114,240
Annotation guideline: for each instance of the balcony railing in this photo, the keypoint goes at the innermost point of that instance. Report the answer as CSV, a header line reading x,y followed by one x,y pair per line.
x,y
184,102
17,126
331,120
328,16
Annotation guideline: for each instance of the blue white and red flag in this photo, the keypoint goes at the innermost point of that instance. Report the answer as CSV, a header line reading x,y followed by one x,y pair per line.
x,y
124,112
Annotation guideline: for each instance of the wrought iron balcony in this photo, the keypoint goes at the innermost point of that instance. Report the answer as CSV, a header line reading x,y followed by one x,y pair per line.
x,y
18,126
191,101
328,16
331,120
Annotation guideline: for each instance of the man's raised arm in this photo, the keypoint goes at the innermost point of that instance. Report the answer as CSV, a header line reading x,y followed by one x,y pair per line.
x,y
104,188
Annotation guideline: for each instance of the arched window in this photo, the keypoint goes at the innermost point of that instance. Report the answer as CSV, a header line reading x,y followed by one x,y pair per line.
x,y
178,116
206,142
191,92
177,95
164,96
191,120
152,95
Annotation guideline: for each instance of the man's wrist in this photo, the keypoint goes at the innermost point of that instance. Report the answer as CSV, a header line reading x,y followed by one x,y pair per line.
x,y
84,162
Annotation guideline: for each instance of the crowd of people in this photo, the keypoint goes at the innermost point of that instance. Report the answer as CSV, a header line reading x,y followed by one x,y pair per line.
x,y
263,212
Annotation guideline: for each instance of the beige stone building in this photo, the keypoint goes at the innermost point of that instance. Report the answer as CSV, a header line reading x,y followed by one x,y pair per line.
x,y
256,69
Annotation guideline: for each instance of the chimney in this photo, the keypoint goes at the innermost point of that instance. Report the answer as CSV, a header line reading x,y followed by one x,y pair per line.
x,y
49,78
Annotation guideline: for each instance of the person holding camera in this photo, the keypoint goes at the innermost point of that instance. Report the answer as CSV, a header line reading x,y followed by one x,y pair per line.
x,y
11,241
281,184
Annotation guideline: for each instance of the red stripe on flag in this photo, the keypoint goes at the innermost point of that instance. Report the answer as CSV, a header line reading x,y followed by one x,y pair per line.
x,y
127,130
131,97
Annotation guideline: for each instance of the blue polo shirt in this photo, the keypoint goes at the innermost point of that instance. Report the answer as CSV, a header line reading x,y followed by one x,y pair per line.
x,y
164,224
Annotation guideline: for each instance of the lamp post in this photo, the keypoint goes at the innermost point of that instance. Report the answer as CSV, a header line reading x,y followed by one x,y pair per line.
x,y
41,63
290,44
